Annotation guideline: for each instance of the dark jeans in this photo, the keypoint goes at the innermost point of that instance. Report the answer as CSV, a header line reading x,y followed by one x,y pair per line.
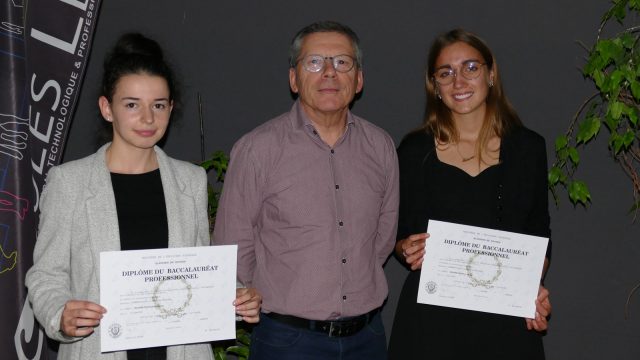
x,y
273,340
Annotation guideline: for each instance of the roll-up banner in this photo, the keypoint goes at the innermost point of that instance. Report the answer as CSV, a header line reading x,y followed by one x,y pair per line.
x,y
44,51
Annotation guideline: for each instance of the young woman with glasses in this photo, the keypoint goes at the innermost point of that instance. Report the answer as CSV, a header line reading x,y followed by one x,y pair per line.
x,y
472,163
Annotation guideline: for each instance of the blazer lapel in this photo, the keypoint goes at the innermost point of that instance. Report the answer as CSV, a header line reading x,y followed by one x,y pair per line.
x,y
101,208
180,206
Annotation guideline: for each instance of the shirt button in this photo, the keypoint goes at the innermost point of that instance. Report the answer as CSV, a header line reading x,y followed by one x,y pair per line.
x,y
499,196
341,223
337,186
332,151
499,207
344,297
344,261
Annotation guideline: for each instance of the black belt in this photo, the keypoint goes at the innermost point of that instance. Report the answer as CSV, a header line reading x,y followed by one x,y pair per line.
x,y
334,328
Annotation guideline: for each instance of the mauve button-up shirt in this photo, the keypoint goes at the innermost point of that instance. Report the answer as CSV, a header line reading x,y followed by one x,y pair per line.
x,y
313,224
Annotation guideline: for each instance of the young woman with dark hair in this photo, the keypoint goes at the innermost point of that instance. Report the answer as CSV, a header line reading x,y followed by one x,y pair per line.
x,y
129,195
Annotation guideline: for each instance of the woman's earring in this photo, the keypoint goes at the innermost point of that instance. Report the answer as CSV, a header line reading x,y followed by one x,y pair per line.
x,y
491,83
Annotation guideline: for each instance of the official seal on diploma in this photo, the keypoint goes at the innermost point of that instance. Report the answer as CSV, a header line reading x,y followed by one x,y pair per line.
x,y
474,273
115,330
164,303
474,268
431,287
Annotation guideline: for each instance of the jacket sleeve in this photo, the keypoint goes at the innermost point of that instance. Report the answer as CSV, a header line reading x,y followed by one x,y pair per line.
x,y
201,200
49,280
538,222
412,153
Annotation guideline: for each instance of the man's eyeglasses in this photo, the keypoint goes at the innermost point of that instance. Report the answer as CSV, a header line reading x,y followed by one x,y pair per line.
x,y
469,70
315,63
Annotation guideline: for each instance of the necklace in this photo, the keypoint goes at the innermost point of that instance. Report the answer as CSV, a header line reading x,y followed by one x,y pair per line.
x,y
464,159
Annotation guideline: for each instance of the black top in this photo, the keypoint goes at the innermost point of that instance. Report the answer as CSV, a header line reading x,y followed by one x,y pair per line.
x,y
456,196
510,196
142,213
518,201
142,221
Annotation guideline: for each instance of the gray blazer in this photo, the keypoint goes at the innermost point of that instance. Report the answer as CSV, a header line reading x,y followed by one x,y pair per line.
x,y
79,220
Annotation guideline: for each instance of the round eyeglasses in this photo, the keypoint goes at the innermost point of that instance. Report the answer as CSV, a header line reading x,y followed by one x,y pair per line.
x,y
469,70
315,63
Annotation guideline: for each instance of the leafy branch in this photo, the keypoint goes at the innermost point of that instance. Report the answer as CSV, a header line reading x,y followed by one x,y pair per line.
x,y
613,64
219,161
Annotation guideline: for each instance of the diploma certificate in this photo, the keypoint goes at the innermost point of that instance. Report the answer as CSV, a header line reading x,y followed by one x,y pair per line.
x,y
481,269
163,297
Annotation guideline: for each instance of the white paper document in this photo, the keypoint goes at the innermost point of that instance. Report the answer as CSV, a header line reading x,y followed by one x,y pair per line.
x,y
163,297
481,269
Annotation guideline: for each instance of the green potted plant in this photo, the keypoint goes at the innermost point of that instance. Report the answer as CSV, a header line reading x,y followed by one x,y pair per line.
x,y
218,162
613,64
239,347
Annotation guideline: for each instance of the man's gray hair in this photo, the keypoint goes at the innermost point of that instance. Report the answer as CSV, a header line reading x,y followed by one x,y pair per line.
x,y
324,26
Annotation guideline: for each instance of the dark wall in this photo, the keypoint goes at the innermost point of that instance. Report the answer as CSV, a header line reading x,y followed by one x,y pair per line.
x,y
235,55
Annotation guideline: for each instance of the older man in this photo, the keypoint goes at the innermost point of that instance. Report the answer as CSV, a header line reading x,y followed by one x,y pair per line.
x,y
311,199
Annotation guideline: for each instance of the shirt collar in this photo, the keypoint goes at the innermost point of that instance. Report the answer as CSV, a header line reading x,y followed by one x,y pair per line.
x,y
301,120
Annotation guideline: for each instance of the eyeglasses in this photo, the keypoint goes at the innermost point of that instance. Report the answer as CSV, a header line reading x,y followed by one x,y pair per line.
x,y
469,70
315,63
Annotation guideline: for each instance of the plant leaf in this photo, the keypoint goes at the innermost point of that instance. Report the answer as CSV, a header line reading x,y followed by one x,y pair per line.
x,y
628,138
218,353
612,123
238,350
554,176
243,339
599,78
579,193
628,40
619,11
597,62
588,129
615,109
635,89
574,156
616,142
633,115
610,49
615,79
629,74
561,142
563,154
